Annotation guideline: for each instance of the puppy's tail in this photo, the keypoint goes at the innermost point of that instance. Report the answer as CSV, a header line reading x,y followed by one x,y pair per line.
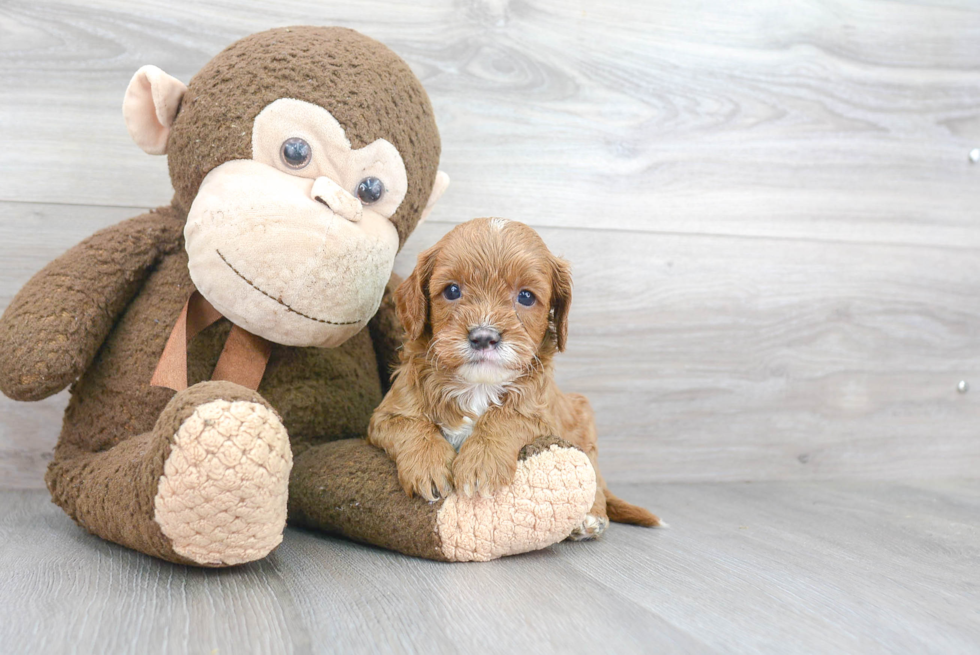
x,y
622,512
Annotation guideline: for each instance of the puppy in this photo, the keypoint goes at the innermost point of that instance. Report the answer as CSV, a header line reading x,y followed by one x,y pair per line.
x,y
484,312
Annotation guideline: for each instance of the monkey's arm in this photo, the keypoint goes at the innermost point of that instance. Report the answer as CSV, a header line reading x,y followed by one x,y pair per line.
x,y
54,326
386,333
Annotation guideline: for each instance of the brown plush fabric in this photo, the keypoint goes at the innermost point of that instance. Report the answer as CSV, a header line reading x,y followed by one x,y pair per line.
x,y
542,444
53,328
338,487
386,333
369,89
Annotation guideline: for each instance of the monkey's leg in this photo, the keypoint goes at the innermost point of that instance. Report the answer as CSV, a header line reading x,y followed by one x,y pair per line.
x,y
207,486
351,488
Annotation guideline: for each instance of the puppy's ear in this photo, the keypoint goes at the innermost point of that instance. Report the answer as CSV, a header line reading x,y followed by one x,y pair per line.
x,y
561,298
412,296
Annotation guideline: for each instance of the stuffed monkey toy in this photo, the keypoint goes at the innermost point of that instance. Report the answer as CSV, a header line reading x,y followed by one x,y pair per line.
x,y
225,352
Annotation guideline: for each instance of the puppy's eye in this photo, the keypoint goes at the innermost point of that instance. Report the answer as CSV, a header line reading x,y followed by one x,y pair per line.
x,y
452,292
526,298
370,190
295,153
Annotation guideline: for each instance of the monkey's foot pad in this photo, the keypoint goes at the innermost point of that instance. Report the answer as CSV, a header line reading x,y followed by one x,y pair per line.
x,y
222,497
551,495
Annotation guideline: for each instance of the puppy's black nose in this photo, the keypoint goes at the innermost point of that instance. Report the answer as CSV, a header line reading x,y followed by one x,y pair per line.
x,y
482,338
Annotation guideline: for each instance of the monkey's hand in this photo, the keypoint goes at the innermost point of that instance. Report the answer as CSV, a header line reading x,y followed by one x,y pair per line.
x,y
54,326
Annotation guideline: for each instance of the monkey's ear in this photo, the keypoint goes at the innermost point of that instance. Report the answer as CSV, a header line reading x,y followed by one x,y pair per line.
x,y
438,188
150,106
412,296
561,298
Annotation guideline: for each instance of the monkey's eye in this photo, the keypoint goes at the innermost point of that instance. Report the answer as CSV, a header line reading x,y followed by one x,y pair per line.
x,y
526,298
370,190
296,153
452,292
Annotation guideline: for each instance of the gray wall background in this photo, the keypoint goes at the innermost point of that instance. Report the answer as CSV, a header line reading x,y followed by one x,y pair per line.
x,y
768,205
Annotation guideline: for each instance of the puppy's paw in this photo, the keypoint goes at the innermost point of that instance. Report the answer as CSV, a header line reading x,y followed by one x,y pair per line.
x,y
427,469
483,468
590,528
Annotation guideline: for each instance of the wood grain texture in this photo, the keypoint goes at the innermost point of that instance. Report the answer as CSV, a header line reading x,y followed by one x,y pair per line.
x,y
768,207
839,120
744,568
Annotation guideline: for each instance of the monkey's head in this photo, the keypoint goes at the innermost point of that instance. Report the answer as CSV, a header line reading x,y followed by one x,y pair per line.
x,y
303,158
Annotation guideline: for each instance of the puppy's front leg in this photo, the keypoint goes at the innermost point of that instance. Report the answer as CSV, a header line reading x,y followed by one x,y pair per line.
x,y
423,456
487,460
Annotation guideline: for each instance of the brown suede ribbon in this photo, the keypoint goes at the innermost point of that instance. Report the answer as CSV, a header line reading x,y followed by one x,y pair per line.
x,y
242,360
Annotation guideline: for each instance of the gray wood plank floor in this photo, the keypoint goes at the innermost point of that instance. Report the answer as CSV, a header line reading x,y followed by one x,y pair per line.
x,y
745,567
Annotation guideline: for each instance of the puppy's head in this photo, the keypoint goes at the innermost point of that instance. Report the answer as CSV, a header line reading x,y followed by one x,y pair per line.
x,y
487,300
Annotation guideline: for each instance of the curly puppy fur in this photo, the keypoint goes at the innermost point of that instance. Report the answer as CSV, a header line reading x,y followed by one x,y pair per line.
x,y
485,311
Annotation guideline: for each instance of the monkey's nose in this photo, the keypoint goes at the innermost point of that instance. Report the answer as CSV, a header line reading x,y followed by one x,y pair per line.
x,y
482,338
339,201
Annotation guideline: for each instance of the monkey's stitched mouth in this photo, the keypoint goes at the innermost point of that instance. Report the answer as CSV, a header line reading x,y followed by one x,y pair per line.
x,y
279,300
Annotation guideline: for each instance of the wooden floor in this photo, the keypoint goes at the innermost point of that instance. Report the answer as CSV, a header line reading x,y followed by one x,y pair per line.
x,y
745,567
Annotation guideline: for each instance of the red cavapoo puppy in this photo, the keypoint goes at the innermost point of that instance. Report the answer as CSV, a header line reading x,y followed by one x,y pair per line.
x,y
484,311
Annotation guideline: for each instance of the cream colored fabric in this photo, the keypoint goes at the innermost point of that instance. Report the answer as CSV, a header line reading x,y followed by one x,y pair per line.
x,y
149,107
222,497
337,199
551,495
281,265
332,155
292,254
